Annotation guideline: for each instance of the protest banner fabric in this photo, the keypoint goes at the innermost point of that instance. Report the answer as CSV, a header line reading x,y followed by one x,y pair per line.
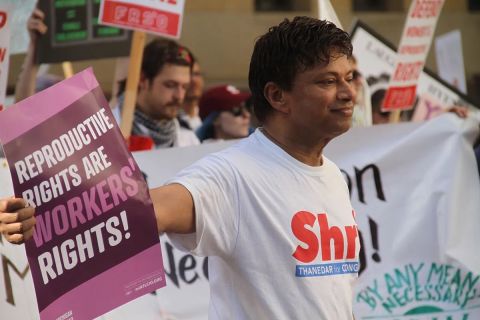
x,y
376,61
414,45
416,219
5,17
95,230
163,18
415,191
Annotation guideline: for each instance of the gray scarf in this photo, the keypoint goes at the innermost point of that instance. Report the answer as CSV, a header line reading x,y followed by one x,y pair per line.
x,y
163,133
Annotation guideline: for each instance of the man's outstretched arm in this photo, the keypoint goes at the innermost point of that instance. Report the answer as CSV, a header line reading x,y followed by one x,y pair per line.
x,y
174,209
173,204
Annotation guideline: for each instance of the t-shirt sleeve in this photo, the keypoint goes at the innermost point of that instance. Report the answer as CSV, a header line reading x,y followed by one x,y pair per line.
x,y
212,184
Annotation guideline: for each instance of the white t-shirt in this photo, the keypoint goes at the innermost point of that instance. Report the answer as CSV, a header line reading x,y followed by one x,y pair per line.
x,y
280,235
185,137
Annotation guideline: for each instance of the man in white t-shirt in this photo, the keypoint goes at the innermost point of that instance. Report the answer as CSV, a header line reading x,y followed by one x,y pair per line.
x,y
271,212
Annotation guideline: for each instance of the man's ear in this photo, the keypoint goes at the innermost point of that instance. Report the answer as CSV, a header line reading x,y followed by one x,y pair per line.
x,y
143,82
276,97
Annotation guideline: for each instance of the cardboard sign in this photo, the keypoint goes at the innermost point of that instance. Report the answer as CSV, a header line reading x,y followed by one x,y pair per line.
x,y
449,56
376,61
74,33
162,17
415,43
5,18
21,11
96,229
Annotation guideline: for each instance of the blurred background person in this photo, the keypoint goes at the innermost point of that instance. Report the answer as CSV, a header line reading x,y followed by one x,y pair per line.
x,y
190,110
164,80
378,116
362,112
28,81
224,114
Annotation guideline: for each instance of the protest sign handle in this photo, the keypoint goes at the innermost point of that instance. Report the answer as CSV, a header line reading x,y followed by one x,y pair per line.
x,y
136,53
395,116
67,69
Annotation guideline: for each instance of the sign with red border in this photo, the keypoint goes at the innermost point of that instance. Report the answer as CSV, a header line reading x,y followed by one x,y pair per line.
x,y
415,43
161,17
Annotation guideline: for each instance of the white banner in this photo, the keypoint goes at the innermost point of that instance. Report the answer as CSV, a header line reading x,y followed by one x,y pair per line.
x,y
416,39
415,188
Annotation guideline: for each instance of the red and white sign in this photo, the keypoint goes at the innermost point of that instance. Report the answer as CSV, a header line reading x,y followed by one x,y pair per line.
x,y
162,17
416,40
4,51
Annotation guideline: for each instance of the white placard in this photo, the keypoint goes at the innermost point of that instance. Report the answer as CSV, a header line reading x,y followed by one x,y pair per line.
x,y
449,56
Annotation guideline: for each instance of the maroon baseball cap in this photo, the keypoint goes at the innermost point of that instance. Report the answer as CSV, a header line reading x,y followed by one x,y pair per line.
x,y
221,98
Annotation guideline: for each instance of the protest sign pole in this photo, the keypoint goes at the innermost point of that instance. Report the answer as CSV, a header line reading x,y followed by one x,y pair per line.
x,y
395,116
136,53
67,69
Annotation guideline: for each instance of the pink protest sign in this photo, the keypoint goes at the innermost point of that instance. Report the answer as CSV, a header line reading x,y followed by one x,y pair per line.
x,y
162,17
95,245
414,46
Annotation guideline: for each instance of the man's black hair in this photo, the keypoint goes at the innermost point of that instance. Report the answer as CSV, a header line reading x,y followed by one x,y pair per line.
x,y
288,49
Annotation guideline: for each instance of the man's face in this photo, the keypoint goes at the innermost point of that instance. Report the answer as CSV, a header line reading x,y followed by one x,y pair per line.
x,y
322,98
196,85
162,97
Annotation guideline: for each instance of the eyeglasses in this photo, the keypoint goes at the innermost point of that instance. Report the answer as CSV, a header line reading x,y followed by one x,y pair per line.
x,y
238,111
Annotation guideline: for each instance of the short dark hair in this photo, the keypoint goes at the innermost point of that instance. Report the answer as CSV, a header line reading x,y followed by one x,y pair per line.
x,y
163,51
377,100
289,48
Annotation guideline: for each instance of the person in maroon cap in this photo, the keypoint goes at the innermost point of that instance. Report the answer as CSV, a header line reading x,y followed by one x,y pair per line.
x,y
224,114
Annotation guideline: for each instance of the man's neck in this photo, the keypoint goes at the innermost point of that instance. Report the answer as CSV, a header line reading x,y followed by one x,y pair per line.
x,y
298,146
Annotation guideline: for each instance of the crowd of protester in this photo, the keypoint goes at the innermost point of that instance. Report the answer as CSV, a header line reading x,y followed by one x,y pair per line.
x,y
174,109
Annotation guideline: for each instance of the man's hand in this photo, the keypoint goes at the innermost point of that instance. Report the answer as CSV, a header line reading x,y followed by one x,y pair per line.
x,y
16,220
